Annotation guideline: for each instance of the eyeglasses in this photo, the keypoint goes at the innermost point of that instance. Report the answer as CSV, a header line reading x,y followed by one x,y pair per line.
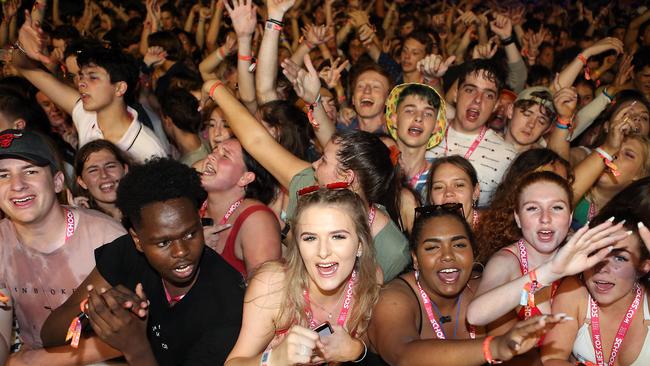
x,y
312,189
456,208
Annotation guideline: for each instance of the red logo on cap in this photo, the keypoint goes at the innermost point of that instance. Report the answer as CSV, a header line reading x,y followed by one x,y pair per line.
x,y
8,138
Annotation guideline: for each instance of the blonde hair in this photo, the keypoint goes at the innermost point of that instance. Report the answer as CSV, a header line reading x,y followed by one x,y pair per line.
x,y
366,289
645,144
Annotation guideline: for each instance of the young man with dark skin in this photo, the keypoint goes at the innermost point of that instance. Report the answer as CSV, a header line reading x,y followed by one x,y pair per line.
x,y
46,248
99,107
468,135
159,295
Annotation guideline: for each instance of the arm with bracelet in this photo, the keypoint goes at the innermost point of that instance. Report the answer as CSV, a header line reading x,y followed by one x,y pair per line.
x,y
565,102
244,21
517,74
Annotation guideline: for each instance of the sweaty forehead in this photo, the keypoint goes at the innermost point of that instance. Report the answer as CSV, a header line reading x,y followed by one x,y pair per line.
x,y
481,79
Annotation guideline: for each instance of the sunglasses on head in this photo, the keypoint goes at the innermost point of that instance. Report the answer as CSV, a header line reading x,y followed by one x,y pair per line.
x,y
312,189
455,207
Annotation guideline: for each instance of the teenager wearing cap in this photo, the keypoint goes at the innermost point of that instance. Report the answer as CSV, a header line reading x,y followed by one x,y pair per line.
x,y
46,248
99,107
468,135
530,117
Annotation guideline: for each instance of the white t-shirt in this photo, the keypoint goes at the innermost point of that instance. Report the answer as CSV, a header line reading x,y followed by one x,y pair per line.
x,y
138,141
491,158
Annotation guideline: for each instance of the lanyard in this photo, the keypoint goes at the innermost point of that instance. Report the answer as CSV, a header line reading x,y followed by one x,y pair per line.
x,y
414,179
171,300
69,224
371,215
345,308
523,254
437,329
230,211
622,329
592,211
473,146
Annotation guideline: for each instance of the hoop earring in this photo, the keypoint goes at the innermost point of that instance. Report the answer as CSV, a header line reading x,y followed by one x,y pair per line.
x,y
479,273
417,275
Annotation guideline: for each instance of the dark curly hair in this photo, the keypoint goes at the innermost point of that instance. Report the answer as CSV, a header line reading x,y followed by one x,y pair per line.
x,y
158,180
263,187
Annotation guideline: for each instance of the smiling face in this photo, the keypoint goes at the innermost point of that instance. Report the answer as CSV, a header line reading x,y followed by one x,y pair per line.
x,y
101,175
171,237
544,215
630,161
415,121
328,244
224,168
27,192
475,102
527,125
370,94
614,277
444,256
452,185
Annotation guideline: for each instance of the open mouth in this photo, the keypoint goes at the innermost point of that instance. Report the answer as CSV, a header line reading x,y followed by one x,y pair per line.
x,y
108,187
184,270
472,114
23,201
327,269
545,235
367,102
603,286
209,169
449,275
415,131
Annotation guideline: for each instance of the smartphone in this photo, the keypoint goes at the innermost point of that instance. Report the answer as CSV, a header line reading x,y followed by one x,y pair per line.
x,y
206,221
324,329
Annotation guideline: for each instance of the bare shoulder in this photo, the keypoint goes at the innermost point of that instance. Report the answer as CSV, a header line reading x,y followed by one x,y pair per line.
x,y
267,284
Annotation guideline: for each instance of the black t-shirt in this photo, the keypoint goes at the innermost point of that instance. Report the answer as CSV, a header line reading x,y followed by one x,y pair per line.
x,y
203,327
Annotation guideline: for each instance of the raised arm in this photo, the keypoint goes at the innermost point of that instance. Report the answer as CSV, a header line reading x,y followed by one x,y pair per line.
x,y
586,248
244,20
565,100
267,65
31,45
281,163
215,26
307,85
633,31
210,63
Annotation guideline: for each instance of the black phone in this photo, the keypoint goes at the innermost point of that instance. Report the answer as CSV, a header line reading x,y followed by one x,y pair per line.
x,y
324,329
206,221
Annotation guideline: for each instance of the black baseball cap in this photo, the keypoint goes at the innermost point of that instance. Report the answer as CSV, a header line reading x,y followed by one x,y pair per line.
x,y
27,145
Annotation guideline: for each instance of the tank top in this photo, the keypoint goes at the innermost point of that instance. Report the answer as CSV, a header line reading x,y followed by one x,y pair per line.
x,y
228,252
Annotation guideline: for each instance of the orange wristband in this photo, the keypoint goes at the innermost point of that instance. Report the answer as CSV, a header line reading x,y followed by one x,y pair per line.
x,y
214,87
244,57
487,353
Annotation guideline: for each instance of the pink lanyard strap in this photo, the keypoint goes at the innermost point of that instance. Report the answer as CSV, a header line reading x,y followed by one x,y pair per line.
x,y
231,210
345,308
414,179
622,329
437,329
372,212
523,254
474,219
472,147
592,211
69,224
172,300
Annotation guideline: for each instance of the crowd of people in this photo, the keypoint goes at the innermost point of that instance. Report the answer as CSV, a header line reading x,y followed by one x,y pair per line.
x,y
291,182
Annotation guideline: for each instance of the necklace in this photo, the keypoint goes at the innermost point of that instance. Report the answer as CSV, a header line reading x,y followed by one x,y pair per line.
x,y
329,313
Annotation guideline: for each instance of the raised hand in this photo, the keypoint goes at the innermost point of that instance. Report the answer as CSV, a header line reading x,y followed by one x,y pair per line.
x,y
486,51
243,14
10,8
433,66
621,124
516,15
644,233
501,26
359,18
32,39
604,45
316,35
466,17
366,35
332,74
277,8
586,248
625,70
565,99
155,56
306,83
